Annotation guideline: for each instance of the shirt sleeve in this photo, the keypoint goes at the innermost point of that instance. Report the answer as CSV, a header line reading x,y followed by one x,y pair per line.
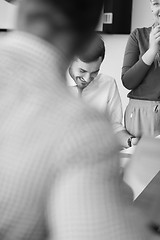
x,y
114,107
134,69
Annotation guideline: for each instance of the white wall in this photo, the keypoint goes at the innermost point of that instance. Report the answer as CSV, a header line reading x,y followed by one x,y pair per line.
x,y
141,14
7,15
115,46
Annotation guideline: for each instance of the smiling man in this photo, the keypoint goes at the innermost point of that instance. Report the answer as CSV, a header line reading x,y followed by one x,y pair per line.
x,y
85,68
98,90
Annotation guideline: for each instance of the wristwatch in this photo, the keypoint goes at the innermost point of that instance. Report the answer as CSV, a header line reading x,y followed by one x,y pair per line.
x,y
130,141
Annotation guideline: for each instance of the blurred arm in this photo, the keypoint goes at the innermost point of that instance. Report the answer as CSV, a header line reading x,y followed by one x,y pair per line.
x,y
86,204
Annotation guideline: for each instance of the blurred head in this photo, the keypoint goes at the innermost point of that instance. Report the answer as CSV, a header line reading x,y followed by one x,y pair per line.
x,y
86,66
64,23
155,7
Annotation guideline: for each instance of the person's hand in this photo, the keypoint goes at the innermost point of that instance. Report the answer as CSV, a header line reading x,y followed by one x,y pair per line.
x,y
126,140
154,46
154,39
132,141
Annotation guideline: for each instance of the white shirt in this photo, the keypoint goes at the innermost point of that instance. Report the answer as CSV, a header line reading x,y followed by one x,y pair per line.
x,y
102,93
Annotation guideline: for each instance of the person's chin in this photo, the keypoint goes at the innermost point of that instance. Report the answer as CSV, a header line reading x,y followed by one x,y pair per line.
x,y
82,86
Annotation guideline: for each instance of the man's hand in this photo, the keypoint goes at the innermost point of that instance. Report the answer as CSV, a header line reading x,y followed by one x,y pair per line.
x,y
135,141
126,140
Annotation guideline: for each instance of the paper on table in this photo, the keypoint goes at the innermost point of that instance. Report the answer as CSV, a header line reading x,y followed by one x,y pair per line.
x,y
129,151
125,155
144,165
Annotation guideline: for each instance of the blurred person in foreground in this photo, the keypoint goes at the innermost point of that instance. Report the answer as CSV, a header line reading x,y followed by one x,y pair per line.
x,y
59,172
97,89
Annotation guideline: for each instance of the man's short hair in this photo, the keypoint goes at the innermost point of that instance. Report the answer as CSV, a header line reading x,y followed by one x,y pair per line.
x,y
83,14
93,50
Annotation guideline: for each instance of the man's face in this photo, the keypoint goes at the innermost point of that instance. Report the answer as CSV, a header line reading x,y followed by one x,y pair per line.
x,y
83,73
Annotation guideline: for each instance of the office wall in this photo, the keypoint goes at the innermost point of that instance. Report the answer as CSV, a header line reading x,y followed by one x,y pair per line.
x,y
115,47
8,14
141,14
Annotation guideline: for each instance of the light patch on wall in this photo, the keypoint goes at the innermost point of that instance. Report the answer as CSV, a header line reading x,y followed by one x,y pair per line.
x,y
8,14
141,14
